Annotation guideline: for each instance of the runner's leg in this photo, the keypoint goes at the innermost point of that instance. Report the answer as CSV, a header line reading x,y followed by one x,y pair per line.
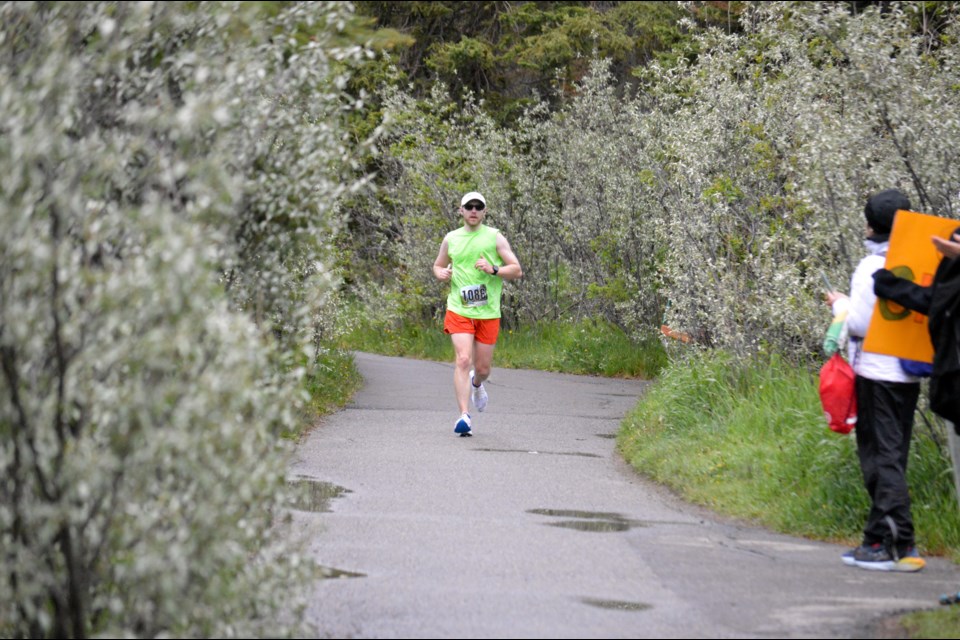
x,y
463,345
482,361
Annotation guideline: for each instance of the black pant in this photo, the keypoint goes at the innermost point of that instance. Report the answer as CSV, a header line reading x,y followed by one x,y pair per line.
x,y
884,425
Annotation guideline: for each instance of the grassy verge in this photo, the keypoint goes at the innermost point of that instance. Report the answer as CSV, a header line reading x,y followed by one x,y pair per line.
x,y
938,623
590,347
330,383
751,441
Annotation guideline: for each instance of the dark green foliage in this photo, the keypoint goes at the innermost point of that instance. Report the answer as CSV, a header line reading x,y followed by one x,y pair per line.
x,y
512,53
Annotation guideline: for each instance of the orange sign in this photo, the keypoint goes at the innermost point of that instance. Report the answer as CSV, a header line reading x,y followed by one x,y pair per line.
x,y
894,330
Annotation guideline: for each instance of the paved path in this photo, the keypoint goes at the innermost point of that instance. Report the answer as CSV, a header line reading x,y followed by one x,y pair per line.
x,y
536,528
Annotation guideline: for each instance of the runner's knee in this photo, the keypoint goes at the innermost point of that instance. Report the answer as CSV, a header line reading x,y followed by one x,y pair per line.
x,y
463,361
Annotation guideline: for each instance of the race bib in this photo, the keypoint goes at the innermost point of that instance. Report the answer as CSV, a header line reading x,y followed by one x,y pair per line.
x,y
474,295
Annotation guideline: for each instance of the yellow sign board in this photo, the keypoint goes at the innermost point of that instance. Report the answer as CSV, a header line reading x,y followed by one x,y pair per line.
x,y
894,330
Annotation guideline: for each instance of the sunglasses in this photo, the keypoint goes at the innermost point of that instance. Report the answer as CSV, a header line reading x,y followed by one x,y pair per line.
x,y
473,206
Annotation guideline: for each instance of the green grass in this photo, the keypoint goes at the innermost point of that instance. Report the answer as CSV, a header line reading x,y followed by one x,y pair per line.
x,y
751,441
330,383
409,340
935,623
591,347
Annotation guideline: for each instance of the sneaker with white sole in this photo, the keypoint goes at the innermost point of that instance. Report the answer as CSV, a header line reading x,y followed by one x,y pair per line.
x,y
877,557
479,395
462,425
910,561
848,557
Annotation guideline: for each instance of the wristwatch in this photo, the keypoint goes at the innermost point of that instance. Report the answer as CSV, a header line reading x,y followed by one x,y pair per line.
x,y
495,269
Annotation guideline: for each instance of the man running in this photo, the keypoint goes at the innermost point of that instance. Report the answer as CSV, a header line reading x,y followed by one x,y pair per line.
x,y
474,259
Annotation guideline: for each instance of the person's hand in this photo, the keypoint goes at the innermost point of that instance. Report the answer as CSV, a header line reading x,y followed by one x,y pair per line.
x,y
483,265
833,296
445,273
949,248
883,278
885,282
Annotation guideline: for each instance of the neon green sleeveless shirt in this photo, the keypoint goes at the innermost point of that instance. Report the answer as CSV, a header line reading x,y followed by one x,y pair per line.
x,y
473,293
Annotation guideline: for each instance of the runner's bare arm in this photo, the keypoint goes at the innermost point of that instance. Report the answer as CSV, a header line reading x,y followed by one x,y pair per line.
x,y
511,269
442,268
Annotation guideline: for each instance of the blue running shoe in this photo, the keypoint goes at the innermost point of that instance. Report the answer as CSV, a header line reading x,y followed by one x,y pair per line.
x,y
463,425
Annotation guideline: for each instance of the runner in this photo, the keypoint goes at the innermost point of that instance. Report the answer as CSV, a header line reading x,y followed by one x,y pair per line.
x,y
473,259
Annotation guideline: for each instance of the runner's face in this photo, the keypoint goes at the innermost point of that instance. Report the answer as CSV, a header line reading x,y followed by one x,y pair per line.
x,y
471,214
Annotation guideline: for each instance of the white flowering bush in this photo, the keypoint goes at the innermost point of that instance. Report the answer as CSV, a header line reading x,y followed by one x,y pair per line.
x,y
779,137
714,196
589,234
167,210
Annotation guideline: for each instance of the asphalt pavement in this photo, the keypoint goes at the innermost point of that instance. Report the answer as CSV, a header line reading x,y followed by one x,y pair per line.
x,y
536,528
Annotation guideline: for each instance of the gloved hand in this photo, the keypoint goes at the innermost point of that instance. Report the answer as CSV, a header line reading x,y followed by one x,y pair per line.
x,y
883,281
903,291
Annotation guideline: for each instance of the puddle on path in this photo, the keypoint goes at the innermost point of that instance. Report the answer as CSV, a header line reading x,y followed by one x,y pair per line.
x,y
593,521
314,495
572,513
617,605
596,521
330,572
545,453
595,526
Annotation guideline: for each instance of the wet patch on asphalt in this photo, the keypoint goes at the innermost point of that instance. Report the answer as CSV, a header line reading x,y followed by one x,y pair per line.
x,y
314,495
573,513
592,521
595,521
595,526
617,605
545,453
330,573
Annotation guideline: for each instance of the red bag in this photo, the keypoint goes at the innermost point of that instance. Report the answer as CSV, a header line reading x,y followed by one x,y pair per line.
x,y
838,395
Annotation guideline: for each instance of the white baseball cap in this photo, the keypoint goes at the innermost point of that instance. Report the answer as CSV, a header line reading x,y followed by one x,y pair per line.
x,y
473,195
